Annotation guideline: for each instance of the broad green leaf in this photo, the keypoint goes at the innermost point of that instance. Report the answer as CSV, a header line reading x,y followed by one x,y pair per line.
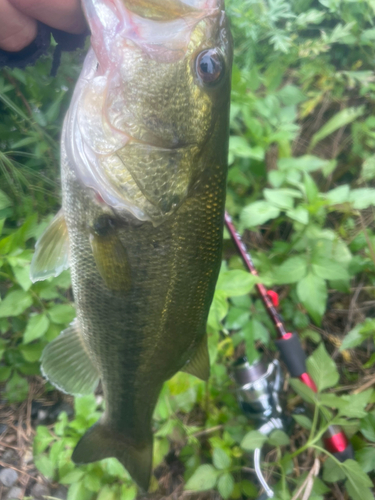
x,y
329,269
218,311
128,492
253,440
77,491
368,168
22,275
302,390
72,477
236,282
303,421
362,198
322,368
311,189
45,466
278,438
92,482
36,328
31,352
279,198
338,195
368,427
5,201
332,471
204,478
220,459
353,338
258,213
238,146
62,313
15,303
366,458
306,163
225,485
16,389
85,406
299,214
312,292
355,406
358,483
341,119
290,271
42,439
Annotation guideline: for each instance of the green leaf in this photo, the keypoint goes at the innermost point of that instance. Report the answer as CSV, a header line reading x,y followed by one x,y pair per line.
x,y
302,390
218,311
279,198
258,213
92,482
85,406
278,438
77,491
362,198
236,283
62,314
311,189
225,485
253,440
36,328
45,466
220,459
107,493
366,458
312,292
299,214
322,368
15,303
332,471
72,477
238,146
329,269
291,270
128,492
306,163
17,388
31,353
42,439
358,483
5,201
303,421
338,195
341,119
354,405
204,478
368,427
353,338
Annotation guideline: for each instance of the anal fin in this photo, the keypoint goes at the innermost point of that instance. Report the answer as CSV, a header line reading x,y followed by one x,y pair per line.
x,y
67,364
51,255
101,441
199,364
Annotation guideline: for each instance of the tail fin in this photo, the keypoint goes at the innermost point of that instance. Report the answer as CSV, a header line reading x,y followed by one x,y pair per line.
x,y
101,442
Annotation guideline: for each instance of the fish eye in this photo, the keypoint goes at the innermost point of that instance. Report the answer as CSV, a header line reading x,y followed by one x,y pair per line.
x,y
210,66
103,225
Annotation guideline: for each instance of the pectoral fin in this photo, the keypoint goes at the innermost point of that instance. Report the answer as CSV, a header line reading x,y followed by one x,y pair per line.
x,y
110,255
67,364
199,364
51,255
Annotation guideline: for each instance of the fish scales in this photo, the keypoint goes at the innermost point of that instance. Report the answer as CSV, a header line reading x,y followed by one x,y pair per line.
x,y
143,163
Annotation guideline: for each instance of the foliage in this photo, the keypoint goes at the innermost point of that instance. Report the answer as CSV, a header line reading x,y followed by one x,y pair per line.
x,y
301,189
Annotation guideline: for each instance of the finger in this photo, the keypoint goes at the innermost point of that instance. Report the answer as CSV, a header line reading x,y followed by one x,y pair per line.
x,y
17,30
65,15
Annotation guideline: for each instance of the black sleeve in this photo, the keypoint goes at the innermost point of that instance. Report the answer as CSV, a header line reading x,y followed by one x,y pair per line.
x,y
28,55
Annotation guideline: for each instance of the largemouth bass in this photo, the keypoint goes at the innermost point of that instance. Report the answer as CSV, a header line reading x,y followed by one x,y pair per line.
x,y
143,165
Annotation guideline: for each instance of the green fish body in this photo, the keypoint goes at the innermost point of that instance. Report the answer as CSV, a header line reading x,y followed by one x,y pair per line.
x,y
144,152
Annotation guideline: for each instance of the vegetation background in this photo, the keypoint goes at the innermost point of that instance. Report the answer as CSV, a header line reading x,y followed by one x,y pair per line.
x,y
302,167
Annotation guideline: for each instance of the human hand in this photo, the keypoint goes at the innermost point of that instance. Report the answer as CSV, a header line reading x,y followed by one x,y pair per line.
x,y
18,20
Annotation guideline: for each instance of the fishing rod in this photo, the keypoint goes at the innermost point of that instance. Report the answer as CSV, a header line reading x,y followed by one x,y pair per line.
x,y
259,385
